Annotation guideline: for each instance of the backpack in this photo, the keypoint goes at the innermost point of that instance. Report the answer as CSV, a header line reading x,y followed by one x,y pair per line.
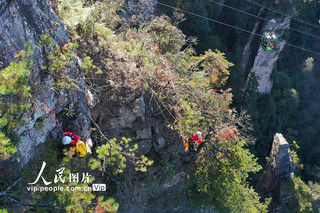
x,y
81,149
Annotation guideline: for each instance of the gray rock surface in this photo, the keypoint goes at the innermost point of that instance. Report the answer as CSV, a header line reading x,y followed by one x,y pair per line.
x,y
140,108
25,21
280,159
247,53
144,134
175,181
265,62
161,143
279,170
89,145
137,120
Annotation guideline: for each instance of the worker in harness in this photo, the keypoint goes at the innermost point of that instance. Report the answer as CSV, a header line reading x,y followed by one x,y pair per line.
x,y
193,140
73,145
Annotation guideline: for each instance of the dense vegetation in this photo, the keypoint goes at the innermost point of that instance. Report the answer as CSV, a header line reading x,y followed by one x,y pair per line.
x,y
292,106
14,97
194,94
192,82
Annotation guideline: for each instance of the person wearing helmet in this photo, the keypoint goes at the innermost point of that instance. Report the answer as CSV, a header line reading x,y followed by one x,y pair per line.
x,y
70,139
73,145
66,140
193,140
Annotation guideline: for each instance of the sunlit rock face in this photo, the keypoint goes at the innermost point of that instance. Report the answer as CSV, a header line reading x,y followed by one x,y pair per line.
x,y
280,160
250,49
25,21
278,172
265,62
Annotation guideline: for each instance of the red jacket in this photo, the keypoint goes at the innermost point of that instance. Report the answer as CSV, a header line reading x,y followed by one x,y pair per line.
x,y
75,138
195,139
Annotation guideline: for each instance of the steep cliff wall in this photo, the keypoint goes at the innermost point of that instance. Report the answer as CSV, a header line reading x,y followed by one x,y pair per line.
x,y
248,53
264,62
142,118
139,118
25,21
278,171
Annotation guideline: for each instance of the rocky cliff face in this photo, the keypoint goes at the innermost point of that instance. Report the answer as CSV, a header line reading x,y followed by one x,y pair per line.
x,y
278,170
25,21
253,41
139,118
280,160
144,123
264,62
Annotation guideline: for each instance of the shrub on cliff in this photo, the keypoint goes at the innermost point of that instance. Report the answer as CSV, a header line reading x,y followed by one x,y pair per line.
x,y
300,199
113,157
14,100
59,60
156,58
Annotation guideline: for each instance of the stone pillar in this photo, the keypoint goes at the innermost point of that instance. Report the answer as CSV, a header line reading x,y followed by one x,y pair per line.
x,y
280,160
278,170
265,62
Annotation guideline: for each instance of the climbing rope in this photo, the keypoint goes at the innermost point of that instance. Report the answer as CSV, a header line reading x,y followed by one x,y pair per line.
x,y
31,77
282,14
232,26
40,93
259,17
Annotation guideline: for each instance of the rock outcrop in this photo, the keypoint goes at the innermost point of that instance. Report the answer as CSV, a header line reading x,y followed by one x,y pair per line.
x,y
265,62
141,120
248,53
280,160
278,170
25,21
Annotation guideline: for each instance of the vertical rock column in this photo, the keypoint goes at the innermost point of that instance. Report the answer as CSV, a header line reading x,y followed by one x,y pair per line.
x,y
278,170
247,53
265,62
280,160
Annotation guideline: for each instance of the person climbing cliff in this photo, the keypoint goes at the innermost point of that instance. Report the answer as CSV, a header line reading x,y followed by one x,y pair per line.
x,y
193,140
70,139
73,145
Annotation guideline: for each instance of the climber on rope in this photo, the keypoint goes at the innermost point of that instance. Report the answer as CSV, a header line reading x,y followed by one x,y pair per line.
x,y
193,140
73,145
269,41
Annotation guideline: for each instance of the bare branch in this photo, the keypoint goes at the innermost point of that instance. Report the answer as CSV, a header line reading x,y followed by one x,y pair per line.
x,y
98,128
